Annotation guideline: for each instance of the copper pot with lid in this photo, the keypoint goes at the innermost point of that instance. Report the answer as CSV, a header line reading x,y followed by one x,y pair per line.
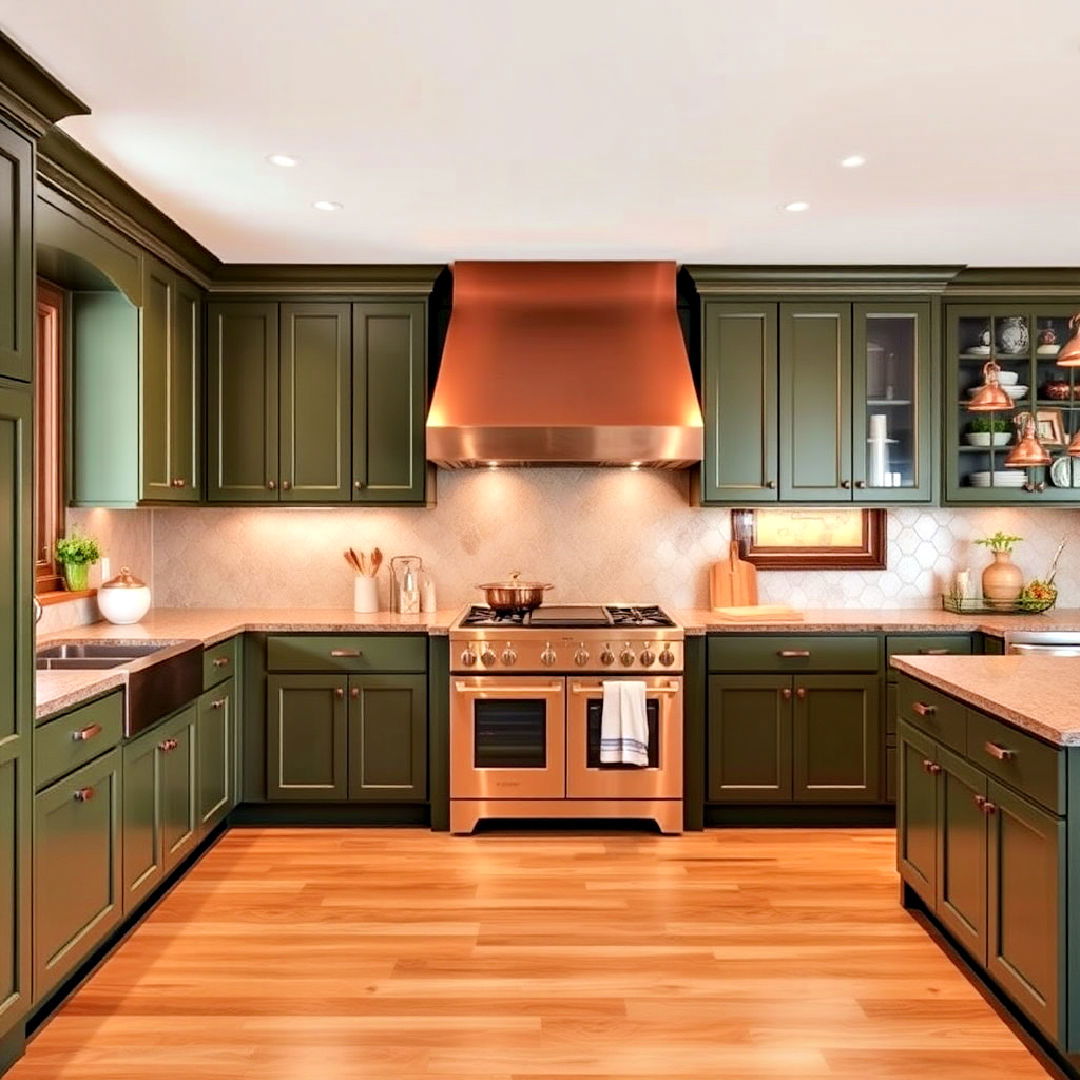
x,y
513,595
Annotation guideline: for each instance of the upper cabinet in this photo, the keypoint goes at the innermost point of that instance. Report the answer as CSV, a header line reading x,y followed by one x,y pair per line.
x,y
1024,339
16,255
316,402
816,402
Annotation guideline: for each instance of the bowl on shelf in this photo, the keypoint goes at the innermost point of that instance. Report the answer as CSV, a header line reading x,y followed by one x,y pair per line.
x,y
1008,378
1048,350
983,438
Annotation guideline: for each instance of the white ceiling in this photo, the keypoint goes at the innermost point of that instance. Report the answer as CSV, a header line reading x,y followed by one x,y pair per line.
x,y
586,128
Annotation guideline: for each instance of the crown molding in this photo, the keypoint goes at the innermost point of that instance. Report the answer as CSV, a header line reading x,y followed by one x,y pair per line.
x,y
820,280
29,95
404,279
1023,281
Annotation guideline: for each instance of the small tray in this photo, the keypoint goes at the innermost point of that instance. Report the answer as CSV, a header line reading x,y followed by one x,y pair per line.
x,y
979,605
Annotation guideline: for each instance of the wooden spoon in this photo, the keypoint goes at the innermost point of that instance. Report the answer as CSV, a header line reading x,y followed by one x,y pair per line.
x,y
376,561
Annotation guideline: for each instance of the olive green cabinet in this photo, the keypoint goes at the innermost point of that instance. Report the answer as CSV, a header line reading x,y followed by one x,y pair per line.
x,y
143,859
316,402
170,386
917,812
817,403
16,255
337,737
16,700
750,738
77,868
177,773
215,736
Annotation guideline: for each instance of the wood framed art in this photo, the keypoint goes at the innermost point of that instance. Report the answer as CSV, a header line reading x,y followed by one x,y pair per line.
x,y
1050,426
811,539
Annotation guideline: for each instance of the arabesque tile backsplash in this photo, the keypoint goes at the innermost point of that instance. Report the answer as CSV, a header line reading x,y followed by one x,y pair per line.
x,y
594,533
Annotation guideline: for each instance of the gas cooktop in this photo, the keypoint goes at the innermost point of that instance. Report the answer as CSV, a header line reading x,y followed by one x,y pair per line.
x,y
571,617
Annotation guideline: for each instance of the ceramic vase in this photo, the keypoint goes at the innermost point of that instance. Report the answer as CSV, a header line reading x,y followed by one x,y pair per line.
x,y
1013,334
1002,580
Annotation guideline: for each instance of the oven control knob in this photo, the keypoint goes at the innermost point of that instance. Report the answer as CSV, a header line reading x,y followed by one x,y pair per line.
x,y
581,657
607,657
626,657
468,657
667,657
488,657
509,656
647,657
547,657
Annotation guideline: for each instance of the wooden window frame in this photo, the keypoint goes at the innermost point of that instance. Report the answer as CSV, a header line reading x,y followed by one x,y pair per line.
x,y
48,437
870,554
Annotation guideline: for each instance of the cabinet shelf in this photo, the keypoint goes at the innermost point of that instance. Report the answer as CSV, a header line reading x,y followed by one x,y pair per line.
x,y
888,402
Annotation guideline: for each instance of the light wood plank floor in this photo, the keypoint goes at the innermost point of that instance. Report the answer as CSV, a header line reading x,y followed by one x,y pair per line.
x,y
337,955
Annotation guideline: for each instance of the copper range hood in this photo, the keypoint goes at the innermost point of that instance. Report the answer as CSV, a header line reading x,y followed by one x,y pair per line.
x,y
564,363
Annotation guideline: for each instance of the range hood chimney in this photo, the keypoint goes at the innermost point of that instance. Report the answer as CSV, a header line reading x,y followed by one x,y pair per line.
x,y
564,363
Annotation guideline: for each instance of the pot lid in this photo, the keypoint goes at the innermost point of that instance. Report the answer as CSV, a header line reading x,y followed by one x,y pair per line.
x,y
124,580
514,582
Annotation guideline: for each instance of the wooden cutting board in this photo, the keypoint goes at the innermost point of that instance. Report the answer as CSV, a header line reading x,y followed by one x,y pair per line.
x,y
759,613
732,581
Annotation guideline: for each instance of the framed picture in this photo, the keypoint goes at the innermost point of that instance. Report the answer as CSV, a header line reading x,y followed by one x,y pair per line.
x,y
823,539
1050,426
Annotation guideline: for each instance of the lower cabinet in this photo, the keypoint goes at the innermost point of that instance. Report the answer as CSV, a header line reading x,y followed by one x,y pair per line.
x,y
143,864
177,771
338,737
214,744
77,868
795,738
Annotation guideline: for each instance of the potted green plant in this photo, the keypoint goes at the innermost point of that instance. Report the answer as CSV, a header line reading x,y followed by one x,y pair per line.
x,y
988,431
1002,580
76,554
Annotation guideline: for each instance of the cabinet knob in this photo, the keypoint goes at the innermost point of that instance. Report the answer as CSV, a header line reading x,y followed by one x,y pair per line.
x,y
786,694
860,483
770,484
179,483
221,661
922,709
800,693
167,745
932,767
845,483
358,484
286,485
219,704
339,692
271,484
84,794
354,693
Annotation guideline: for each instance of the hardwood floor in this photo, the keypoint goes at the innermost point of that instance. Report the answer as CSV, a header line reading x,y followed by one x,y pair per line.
x,y
337,955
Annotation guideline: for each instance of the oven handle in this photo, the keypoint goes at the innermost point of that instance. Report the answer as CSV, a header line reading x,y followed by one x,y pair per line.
x,y
577,688
464,688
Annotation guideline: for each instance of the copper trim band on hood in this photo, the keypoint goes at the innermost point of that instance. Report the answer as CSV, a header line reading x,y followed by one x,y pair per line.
x,y
560,363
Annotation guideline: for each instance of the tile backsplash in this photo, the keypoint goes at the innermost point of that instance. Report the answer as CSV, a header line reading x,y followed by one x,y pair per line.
x,y
594,533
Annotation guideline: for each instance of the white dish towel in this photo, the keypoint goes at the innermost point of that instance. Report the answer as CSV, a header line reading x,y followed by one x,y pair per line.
x,y
624,724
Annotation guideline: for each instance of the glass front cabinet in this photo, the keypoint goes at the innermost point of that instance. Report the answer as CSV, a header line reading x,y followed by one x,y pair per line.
x,y
1024,340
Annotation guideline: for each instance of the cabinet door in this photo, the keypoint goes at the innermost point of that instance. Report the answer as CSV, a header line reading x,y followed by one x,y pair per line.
x,y
16,255
815,402
892,448
155,382
750,738
242,362
838,738
16,702
1025,940
388,737
142,862
739,389
185,394
306,738
214,741
917,812
961,883
389,402
316,390
177,769
77,887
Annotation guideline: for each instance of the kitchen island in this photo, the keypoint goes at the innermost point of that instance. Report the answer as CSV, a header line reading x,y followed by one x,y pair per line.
x,y
988,825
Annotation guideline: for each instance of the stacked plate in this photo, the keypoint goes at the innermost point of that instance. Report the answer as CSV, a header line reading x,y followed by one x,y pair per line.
x,y
1002,478
1015,392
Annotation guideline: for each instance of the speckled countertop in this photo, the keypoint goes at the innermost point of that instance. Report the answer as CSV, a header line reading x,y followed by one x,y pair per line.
x,y
1040,694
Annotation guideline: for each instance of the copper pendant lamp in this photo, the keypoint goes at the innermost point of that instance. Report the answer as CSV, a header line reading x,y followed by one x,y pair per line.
x,y
1070,351
1028,452
991,397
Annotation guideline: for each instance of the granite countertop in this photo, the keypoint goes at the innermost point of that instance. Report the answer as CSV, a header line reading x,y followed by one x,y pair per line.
x,y
1039,694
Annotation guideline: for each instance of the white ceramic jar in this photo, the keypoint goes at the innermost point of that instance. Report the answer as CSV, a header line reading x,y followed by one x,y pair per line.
x,y
125,599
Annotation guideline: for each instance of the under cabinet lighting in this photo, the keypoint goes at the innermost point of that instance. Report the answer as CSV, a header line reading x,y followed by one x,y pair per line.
x,y
797,207
328,205
283,161
853,161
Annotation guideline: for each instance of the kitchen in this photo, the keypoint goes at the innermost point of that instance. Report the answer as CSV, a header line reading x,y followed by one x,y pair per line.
x,y
782,515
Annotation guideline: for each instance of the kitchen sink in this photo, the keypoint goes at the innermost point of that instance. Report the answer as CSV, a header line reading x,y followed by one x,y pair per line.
x,y
151,692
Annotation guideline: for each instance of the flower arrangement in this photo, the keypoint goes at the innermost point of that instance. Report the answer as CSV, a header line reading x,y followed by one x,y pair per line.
x,y
1000,543
76,554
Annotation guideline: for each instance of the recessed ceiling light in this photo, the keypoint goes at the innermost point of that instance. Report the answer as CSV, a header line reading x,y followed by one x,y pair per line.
x,y
327,204
853,161
797,207
283,161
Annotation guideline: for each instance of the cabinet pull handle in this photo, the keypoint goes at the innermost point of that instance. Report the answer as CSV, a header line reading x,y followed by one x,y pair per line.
x,y
933,652
793,654
339,692
222,661
800,693
167,745
786,694
179,483
219,704
932,767
988,807
980,802
999,752
86,733
354,693
84,794
346,652
922,709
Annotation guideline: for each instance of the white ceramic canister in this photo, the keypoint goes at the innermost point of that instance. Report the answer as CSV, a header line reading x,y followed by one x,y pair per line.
x,y
365,594
125,599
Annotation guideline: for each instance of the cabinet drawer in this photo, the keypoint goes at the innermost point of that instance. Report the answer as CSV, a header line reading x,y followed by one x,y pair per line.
x,y
924,645
69,741
352,653
220,662
1027,764
934,713
785,652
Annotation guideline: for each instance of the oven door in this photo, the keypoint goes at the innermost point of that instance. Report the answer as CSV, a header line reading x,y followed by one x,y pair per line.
x,y
507,737
587,778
